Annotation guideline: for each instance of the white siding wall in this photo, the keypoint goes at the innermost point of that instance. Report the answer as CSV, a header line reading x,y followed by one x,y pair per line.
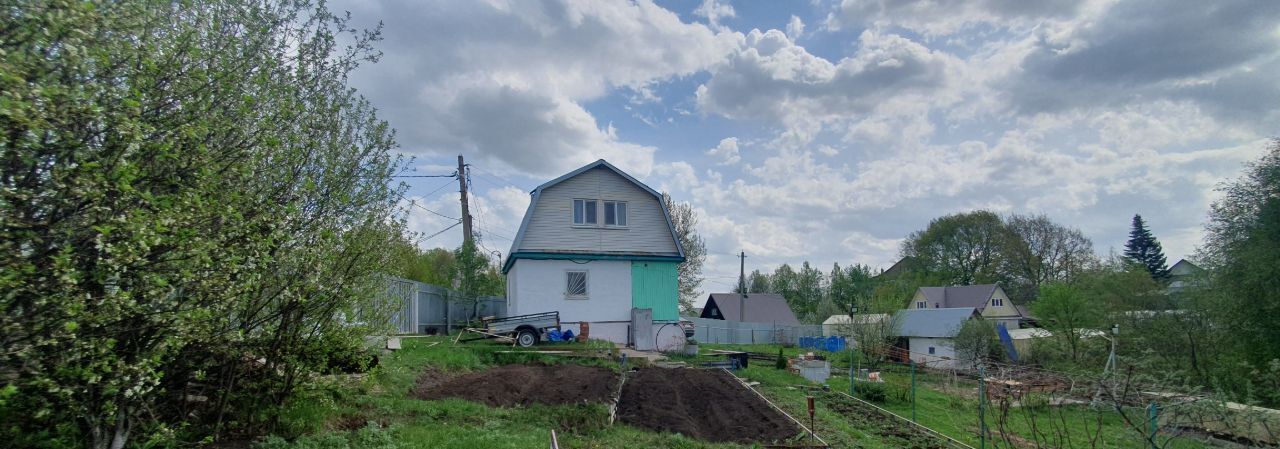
x,y
535,286
551,226
943,356
1005,313
540,285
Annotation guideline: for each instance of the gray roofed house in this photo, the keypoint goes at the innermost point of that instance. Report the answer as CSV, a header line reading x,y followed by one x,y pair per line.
x,y
933,323
974,296
760,308
989,299
1184,275
1024,311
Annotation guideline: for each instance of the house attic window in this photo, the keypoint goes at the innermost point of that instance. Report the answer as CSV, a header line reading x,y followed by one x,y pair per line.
x,y
584,212
615,213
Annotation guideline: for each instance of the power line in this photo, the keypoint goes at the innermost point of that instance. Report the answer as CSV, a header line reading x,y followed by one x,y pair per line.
x,y
494,175
415,204
490,231
425,176
440,232
446,184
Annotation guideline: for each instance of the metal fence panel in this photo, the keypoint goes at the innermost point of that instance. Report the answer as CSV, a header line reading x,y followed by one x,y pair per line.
x,y
732,332
426,308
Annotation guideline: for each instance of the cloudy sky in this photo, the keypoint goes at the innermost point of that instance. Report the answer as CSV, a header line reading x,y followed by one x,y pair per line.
x,y
827,131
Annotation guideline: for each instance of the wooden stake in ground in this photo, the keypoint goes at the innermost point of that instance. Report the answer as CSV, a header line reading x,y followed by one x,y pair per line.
x,y
811,426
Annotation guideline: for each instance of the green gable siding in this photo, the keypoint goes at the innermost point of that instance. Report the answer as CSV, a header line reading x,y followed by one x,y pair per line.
x,y
654,286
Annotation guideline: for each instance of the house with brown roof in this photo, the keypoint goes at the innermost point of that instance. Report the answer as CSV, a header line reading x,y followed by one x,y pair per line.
x,y
991,302
754,308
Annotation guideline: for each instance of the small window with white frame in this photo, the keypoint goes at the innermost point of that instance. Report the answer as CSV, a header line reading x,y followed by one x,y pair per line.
x,y
920,304
997,302
615,213
584,212
575,285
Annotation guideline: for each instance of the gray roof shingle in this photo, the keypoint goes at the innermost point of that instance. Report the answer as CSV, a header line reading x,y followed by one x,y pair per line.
x,y
760,308
935,323
960,295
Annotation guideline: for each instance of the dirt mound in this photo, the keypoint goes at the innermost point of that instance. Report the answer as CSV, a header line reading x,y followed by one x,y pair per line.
x,y
511,385
704,404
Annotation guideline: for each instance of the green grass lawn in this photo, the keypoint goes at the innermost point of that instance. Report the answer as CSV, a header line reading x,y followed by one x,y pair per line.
x,y
377,411
393,419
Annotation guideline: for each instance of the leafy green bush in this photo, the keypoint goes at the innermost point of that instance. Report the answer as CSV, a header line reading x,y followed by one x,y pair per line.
x,y
781,363
873,391
899,392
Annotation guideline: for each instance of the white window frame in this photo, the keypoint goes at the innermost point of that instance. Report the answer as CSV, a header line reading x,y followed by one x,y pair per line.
x,y
573,212
611,204
586,284
997,302
921,304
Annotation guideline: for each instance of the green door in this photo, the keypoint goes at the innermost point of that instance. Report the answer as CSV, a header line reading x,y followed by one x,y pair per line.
x,y
654,286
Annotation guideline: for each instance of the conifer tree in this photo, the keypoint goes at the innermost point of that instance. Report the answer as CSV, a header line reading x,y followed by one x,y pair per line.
x,y
1144,249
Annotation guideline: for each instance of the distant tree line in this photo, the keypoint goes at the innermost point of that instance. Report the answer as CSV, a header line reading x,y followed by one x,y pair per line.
x,y
814,295
1019,252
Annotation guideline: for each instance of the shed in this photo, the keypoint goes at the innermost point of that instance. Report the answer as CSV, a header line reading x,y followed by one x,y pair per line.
x,y
930,333
1022,338
756,308
843,324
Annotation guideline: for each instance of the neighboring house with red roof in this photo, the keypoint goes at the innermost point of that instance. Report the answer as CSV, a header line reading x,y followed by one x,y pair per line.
x,y
991,302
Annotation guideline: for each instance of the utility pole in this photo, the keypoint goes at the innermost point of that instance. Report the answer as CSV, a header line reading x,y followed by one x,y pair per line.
x,y
466,212
742,286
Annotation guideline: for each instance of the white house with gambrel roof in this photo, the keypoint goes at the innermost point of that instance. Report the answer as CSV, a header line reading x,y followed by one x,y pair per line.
x,y
595,244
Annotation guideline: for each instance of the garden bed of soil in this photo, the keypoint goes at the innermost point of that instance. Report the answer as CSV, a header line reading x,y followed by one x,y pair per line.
x,y
704,404
512,385
887,427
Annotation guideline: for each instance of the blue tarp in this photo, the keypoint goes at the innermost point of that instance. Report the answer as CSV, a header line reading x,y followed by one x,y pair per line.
x,y
1007,340
555,335
831,344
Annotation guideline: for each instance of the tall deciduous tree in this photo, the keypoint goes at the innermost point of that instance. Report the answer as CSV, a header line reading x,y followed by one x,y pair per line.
x,y
1068,312
475,276
1039,251
1243,246
960,249
1143,248
757,282
809,293
685,221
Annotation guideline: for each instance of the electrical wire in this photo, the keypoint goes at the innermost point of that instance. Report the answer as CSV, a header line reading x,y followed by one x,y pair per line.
x,y
415,204
425,176
437,189
440,232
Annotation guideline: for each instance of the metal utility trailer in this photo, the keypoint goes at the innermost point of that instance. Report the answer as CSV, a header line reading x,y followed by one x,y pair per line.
x,y
523,330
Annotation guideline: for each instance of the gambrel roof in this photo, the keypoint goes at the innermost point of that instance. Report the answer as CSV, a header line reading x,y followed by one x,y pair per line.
x,y
519,251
